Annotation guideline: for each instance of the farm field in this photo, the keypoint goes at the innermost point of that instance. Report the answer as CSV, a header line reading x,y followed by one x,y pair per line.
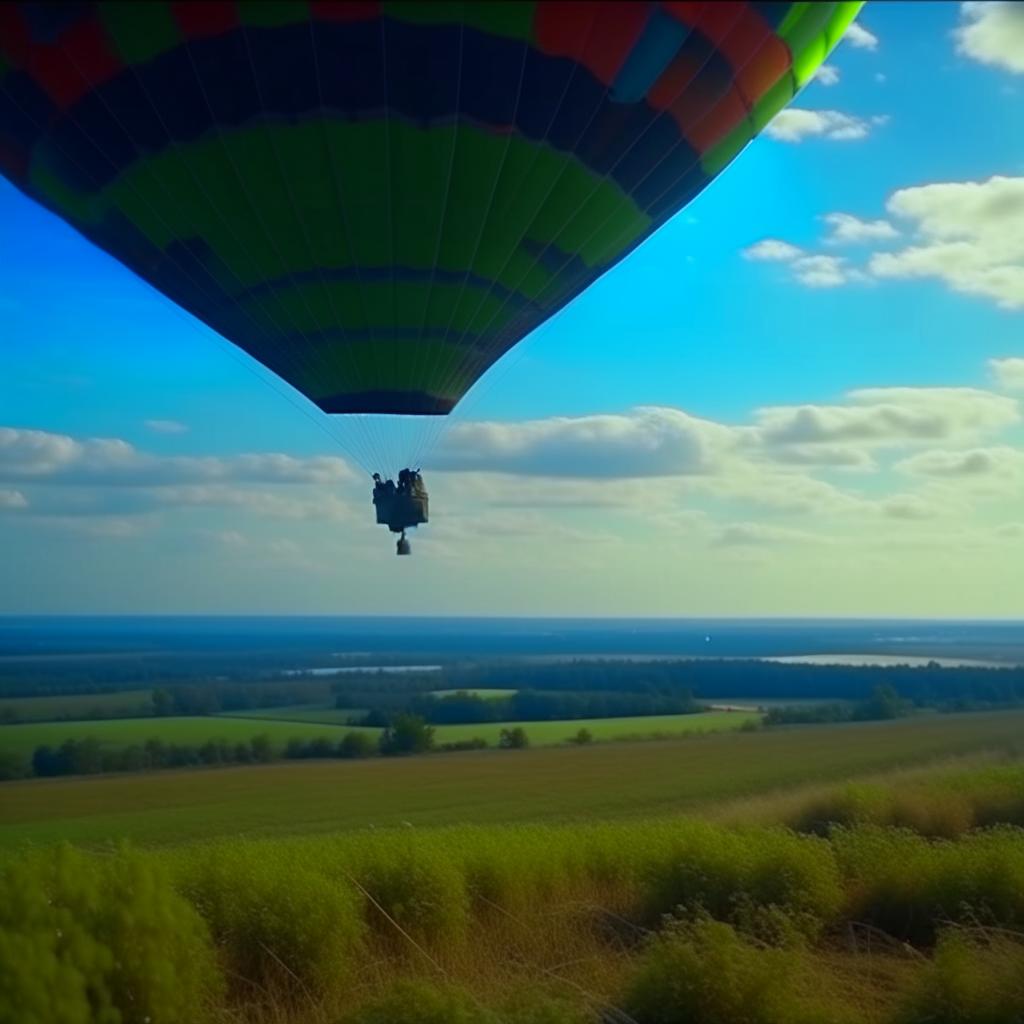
x,y
125,703
609,780
326,714
23,739
489,694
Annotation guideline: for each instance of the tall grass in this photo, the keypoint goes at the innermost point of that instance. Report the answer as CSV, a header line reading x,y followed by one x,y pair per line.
x,y
87,940
668,919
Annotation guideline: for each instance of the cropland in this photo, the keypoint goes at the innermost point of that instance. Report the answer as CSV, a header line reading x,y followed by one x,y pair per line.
x,y
484,787
23,739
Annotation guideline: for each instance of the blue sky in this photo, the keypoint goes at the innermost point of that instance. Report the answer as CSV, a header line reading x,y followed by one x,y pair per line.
x,y
808,381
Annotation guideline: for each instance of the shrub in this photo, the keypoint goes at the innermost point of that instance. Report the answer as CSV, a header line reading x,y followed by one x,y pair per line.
x,y
973,979
720,871
356,744
86,940
908,886
280,922
408,734
417,887
707,973
583,737
513,739
417,1002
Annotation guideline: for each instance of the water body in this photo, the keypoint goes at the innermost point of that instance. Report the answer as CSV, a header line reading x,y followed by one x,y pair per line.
x,y
420,641
883,660
335,671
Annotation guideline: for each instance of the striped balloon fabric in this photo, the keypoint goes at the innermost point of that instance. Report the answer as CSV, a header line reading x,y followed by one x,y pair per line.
x,y
377,200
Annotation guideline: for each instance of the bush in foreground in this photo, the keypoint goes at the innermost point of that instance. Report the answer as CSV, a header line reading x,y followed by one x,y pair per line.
x,y
707,973
280,923
85,940
973,979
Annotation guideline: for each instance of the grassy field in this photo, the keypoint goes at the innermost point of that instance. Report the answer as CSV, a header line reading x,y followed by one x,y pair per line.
x,y
545,784
23,739
488,694
326,714
77,705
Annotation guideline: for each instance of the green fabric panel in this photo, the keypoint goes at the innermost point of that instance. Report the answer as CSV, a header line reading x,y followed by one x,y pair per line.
x,y
140,31
842,18
503,188
773,101
381,364
725,151
313,306
77,208
804,33
498,17
793,16
268,13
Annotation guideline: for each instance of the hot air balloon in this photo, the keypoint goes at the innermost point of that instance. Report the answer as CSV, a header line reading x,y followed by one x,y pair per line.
x,y
377,200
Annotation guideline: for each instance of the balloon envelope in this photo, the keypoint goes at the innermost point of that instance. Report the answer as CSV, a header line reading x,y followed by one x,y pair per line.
x,y
377,200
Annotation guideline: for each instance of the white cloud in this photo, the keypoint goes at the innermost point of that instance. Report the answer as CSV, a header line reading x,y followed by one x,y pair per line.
x,y
827,74
165,426
10,499
999,461
737,534
992,33
645,442
849,230
860,38
970,235
907,507
44,456
794,124
890,416
1009,373
772,250
820,271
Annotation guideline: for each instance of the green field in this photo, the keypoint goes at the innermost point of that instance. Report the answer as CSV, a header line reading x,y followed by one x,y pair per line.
x,y
487,694
327,714
23,739
126,703
548,784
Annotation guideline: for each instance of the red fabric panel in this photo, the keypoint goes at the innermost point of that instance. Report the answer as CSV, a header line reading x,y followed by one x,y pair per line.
x,y
719,120
200,19
597,35
340,10
80,60
15,41
758,57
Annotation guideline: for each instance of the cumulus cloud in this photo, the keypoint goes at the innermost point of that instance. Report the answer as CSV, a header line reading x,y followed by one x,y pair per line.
x,y
58,458
772,250
1009,373
827,74
646,442
849,230
736,534
970,235
165,426
992,33
860,38
12,499
794,124
820,271
907,507
889,416
977,462
815,270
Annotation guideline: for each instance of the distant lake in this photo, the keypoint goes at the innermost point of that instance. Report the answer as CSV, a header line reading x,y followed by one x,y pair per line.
x,y
913,661
337,671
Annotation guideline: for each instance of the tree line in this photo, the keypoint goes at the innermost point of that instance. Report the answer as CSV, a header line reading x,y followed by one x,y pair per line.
x,y
406,734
